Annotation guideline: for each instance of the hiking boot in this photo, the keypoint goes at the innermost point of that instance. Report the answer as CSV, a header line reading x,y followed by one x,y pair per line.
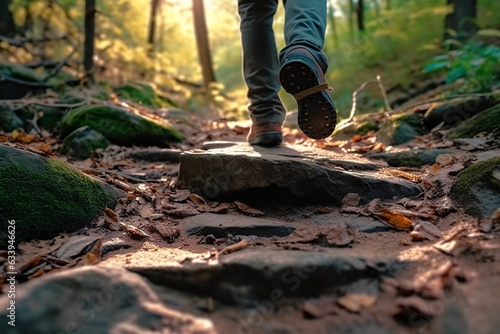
x,y
303,77
265,134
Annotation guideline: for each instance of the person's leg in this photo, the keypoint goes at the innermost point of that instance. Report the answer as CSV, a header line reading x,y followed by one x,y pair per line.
x,y
303,65
261,69
305,26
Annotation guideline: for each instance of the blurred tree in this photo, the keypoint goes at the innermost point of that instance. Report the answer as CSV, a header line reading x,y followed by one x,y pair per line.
x,y
7,25
152,24
202,43
88,53
360,13
332,22
462,20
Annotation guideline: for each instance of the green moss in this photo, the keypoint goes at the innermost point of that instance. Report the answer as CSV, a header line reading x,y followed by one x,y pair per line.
x,y
119,126
81,143
486,121
141,93
46,197
475,188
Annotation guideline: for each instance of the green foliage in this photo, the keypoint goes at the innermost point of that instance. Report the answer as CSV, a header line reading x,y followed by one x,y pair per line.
x,y
478,64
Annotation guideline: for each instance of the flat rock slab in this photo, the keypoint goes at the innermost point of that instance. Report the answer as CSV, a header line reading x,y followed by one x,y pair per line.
x,y
95,299
222,225
364,224
247,276
289,173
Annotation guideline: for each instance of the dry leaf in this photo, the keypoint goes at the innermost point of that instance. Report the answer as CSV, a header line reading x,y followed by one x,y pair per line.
x,y
444,159
338,234
133,231
221,208
197,199
94,256
180,211
248,210
30,263
111,214
169,233
394,219
323,210
351,199
354,302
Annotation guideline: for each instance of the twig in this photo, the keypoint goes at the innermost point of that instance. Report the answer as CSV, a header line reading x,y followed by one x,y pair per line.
x,y
22,103
233,248
58,67
25,83
384,94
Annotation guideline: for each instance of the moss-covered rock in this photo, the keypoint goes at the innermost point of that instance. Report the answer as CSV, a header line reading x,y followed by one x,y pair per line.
x,y
400,129
46,197
9,120
453,113
120,126
487,121
411,158
21,72
477,188
366,126
141,93
81,143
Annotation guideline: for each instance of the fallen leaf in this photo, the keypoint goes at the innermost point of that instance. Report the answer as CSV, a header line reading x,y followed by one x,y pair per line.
x,y
76,245
351,199
180,195
248,210
197,199
444,159
111,214
394,219
169,233
180,211
354,302
323,210
221,208
338,234
30,263
133,231
93,257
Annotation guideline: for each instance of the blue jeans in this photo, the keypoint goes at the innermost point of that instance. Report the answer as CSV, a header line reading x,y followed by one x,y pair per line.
x,y
305,24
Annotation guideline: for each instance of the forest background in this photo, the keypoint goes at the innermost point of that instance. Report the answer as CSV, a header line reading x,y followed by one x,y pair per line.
x,y
156,41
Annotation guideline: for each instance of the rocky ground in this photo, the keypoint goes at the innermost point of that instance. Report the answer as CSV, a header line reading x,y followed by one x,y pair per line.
x,y
212,235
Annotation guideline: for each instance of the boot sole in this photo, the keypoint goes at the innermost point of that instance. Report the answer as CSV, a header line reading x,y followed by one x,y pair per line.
x,y
317,114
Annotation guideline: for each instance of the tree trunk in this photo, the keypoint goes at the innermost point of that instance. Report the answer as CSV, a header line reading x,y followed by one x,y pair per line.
x,y
152,24
352,10
360,11
88,52
7,25
461,20
332,21
202,43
